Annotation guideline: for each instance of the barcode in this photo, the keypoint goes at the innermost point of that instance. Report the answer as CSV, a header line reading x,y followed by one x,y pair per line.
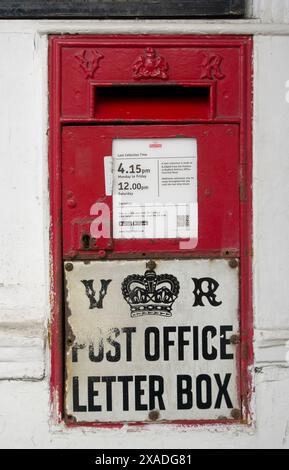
x,y
183,220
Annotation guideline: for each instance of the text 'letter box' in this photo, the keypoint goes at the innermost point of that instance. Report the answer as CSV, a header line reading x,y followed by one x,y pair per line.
x,y
150,170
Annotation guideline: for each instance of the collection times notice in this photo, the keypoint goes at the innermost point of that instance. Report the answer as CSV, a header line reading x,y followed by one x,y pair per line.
x,y
155,188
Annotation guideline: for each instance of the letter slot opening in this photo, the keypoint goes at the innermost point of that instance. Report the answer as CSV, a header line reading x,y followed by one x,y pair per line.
x,y
152,103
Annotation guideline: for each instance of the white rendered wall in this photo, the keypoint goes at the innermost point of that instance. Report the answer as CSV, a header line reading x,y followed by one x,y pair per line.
x,y
25,419
271,11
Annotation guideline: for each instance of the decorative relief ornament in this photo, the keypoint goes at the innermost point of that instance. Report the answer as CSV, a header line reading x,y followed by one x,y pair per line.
x,y
150,65
88,60
211,67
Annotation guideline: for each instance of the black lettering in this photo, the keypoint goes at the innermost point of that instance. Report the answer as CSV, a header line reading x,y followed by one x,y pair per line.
x,y
108,380
182,342
156,393
196,343
184,392
139,392
75,396
75,349
208,355
125,379
115,344
91,352
210,295
148,355
128,332
92,393
90,292
225,342
223,392
167,341
204,400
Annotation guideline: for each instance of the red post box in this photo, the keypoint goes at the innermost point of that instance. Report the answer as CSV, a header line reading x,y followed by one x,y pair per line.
x,y
150,184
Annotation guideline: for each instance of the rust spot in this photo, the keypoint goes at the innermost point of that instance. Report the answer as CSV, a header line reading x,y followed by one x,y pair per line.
x,y
69,419
69,341
227,252
243,192
49,335
245,351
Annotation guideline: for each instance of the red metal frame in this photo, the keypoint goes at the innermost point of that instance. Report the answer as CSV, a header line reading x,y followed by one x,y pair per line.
x,y
245,351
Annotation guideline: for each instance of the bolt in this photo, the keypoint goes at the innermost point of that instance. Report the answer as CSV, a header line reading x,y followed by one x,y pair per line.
x,y
233,263
69,266
154,415
71,203
236,414
235,339
151,265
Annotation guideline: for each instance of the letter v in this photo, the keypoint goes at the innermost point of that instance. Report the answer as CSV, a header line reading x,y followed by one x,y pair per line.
x,y
90,292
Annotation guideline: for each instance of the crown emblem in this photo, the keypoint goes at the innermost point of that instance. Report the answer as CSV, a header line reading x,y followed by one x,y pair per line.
x,y
150,294
150,65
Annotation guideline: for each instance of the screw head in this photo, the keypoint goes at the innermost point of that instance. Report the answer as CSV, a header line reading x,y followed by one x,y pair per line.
x,y
71,203
154,415
235,339
151,265
236,414
233,263
69,267
101,254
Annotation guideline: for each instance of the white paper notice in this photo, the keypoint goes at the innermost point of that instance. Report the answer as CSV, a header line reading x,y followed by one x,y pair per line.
x,y
155,188
107,161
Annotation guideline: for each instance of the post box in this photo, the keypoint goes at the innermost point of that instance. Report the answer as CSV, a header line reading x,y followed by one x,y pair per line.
x,y
150,187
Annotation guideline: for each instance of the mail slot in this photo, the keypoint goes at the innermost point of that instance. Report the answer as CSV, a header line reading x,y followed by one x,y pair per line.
x,y
150,189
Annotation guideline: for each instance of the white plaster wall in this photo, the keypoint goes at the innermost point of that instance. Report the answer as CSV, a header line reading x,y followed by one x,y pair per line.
x,y
25,419
271,11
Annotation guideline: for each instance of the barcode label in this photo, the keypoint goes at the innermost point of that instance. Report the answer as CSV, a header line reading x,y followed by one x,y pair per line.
x,y
183,220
